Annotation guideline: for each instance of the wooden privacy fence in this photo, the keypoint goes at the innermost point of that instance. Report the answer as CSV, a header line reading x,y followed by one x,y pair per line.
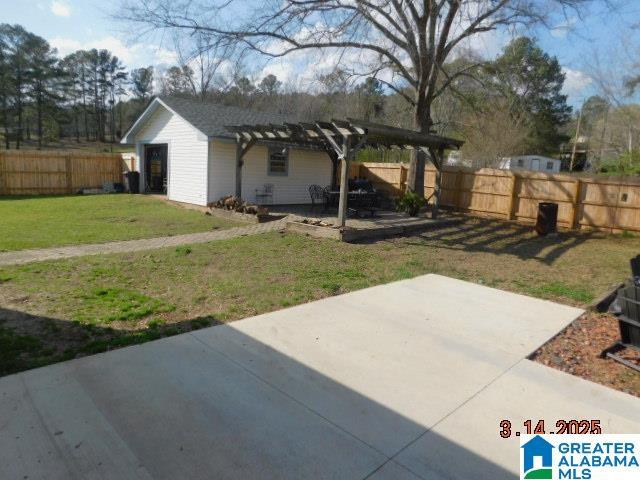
x,y
599,203
36,172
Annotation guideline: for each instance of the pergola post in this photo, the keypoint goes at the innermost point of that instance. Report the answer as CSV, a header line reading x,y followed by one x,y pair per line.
x,y
344,181
438,162
335,165
242,147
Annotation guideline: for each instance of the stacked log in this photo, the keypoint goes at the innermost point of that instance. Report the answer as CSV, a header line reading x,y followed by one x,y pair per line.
x,y
237,204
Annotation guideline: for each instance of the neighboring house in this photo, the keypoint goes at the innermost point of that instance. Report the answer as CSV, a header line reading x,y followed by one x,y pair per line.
x,y
536,163
185,150
455,159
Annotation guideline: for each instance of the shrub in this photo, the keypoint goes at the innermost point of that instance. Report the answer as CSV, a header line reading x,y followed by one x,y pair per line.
x,y
410,203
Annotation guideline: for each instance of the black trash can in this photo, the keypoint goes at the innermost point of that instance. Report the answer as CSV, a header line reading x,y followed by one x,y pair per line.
x,y
547,218
133,181
629,303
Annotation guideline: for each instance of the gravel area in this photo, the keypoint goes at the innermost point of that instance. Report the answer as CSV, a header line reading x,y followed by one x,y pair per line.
x,y
577,350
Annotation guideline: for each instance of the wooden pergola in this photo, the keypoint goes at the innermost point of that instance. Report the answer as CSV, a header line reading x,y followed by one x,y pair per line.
x,y
341,140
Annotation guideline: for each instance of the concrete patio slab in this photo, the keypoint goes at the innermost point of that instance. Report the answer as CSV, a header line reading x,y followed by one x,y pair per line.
x,y
185,412
393,471
529,391
393,349
401,381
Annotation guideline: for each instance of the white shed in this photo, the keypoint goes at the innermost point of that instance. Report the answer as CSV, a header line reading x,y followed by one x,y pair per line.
x,y
185,151
536,163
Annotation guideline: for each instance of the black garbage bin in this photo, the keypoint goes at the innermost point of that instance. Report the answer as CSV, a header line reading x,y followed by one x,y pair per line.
x,y
627,308
547,221
133,182
629,302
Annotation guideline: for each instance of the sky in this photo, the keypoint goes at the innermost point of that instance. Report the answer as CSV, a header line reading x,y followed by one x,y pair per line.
x,y
70,25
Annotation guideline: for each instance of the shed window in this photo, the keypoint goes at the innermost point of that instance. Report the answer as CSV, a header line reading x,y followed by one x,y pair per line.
x,y
278,164
520,162
549,165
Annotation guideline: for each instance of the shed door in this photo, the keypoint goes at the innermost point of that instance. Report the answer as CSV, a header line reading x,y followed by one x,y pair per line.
x,y
156,168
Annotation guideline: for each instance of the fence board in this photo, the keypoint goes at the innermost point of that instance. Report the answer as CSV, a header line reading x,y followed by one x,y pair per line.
x,y
36,172
600,203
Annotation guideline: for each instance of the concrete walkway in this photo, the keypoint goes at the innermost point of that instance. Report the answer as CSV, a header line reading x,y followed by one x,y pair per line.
x,y
56,253
402,381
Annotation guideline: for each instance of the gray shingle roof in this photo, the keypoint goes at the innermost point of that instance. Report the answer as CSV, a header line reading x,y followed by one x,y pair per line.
x,y
211,118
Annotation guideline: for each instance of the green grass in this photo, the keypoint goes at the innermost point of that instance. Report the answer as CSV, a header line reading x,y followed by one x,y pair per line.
x,y
90,304
560,290
120,304
21,352
39,222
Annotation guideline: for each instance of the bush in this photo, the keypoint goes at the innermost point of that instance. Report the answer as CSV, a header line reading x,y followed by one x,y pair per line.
x,y
410,203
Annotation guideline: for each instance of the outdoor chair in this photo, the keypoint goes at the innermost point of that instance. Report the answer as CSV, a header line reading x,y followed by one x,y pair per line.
x,y
317,194
265,194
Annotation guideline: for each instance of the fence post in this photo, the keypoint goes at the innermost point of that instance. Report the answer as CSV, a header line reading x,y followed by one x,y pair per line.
x,y
403,179
510,214
577,202
458,190
67,167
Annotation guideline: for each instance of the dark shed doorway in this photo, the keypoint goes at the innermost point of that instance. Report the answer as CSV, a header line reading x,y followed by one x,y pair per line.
x,y
155,168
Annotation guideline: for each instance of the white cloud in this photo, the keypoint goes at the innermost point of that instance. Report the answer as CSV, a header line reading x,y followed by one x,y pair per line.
x,y
562,29
60,8
575,82
133,56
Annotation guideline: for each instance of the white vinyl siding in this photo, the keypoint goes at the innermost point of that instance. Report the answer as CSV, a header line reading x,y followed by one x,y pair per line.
x,y
305,168
222,169
187,155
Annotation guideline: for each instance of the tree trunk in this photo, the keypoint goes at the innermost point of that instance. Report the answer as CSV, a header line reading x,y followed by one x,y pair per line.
x,y
76,122
84,107
415,174
5,120
19,107
39,113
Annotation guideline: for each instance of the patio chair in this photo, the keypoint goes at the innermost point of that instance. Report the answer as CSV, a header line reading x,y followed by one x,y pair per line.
x,y
316,192
265,194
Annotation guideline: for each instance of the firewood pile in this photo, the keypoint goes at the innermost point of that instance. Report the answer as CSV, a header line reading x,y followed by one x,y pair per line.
x,y
237,204
318,223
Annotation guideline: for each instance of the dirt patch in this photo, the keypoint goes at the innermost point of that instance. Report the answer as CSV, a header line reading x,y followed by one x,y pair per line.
x,y
577,350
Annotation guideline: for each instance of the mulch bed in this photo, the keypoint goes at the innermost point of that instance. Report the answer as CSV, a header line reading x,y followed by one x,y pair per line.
x,y
577,350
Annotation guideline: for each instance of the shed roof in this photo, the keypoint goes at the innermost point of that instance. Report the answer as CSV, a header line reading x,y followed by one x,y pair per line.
x,y
211,118
208,118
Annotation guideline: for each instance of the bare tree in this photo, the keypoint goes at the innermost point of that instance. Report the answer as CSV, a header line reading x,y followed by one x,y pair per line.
x,y
203,58
403,43
615,75
496,131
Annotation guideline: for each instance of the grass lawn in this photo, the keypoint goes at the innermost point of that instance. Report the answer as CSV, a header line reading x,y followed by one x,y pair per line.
x,y
52,311
39,222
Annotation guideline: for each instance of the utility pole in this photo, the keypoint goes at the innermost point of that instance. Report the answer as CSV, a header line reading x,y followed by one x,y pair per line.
x,y
575,142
